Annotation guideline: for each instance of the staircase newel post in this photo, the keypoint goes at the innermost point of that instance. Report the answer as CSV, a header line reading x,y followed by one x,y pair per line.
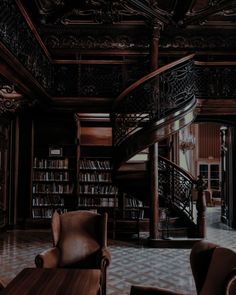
x,y
201,208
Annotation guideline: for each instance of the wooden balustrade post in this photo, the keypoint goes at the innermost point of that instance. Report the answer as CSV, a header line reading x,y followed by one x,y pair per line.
x,y
201,208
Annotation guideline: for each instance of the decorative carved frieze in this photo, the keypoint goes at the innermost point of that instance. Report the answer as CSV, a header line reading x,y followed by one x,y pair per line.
x,y
10,100
89,11
96,40
198,41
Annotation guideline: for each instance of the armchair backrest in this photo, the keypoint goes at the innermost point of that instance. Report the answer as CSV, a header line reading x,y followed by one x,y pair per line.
x,y
212,266
223,262
79,235
200,258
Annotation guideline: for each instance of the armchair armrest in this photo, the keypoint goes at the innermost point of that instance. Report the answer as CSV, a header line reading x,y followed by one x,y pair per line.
x,y
103,260
103,257
145,290
48,258
2,284
230,283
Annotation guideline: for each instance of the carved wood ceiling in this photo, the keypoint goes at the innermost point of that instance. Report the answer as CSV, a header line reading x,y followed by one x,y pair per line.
x,y
92,29
80,54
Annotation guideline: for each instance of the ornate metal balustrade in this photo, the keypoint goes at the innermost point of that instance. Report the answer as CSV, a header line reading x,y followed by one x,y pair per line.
x,y
175,187
215,82
19,39
153,98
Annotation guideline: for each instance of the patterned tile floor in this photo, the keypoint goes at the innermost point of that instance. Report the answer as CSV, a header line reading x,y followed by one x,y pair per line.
x,y
131,264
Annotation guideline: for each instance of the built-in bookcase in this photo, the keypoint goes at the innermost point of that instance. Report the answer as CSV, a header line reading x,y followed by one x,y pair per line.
x,y
52,186
96,190
53,180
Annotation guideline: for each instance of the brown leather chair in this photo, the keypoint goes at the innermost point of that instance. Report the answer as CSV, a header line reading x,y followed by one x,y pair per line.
x,y
79,241
2,285
213,268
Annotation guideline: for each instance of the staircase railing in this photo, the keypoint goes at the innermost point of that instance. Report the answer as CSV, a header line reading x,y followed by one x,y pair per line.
x,y
175,187
153,98
151,109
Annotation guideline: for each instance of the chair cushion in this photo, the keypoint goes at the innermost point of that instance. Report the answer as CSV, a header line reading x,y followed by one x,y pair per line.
x,y
78,236
222,262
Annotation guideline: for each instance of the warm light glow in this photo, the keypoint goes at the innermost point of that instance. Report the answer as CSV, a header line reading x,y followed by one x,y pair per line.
x,y
187,142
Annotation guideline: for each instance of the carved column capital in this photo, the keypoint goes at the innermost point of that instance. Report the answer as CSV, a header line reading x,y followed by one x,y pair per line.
x,y
157,27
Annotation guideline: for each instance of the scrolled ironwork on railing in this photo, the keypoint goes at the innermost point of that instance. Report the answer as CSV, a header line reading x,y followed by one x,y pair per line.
x,y
153,97
20,40
175,186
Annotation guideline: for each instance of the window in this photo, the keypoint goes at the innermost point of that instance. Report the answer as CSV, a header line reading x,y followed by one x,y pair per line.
x,y
211,175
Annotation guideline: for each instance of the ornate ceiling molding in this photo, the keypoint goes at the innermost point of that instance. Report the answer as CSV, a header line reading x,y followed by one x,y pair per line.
x,y
96,40
199,41
7,102
213,8
99,11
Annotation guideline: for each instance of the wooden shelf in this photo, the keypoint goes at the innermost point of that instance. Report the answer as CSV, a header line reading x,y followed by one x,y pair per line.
x,y
50,180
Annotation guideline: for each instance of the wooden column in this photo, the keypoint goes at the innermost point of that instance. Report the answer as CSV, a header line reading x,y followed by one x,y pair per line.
x,y
154,47
153,150
154,201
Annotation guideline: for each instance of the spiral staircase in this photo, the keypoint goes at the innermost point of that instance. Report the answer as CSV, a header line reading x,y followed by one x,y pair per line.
x,y
149,111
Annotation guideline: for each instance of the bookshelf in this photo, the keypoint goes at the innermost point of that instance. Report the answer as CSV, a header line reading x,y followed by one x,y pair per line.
x,y
53,173
52,186
96,190
131,217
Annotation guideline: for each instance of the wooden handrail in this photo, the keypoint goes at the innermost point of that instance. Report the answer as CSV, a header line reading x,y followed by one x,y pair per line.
x,y
215,63
148,77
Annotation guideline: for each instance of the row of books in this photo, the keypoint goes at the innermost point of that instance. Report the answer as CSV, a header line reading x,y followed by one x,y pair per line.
x,y
133,202
135,214
99,202
51,188
45,212
95,164
51,175
95,176
48,163
48,201
98,189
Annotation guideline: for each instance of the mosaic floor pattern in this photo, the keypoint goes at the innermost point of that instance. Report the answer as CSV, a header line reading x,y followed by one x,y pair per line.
x,y
131,264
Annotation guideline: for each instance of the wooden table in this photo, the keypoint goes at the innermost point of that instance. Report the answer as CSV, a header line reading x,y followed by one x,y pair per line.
x,y
45,281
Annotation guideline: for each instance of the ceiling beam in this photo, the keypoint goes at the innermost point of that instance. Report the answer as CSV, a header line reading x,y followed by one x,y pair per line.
x,y
153,14
210,10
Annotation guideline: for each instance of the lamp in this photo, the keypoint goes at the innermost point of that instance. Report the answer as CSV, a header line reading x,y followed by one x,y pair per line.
x,y
187,142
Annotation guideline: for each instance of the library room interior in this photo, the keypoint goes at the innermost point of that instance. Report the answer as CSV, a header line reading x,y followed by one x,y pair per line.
x,y
118,147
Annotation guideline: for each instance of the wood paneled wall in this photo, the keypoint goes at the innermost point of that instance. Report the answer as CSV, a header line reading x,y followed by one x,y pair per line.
x,y
209,141
98,136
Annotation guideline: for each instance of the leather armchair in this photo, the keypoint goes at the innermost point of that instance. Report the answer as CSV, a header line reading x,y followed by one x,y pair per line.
x,y
2,285
79,241
213,268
